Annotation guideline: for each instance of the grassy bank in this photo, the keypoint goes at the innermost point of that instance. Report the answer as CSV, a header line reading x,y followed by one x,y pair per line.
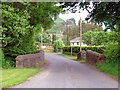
x,y
49,50
69,56
11,77
110,69
73,57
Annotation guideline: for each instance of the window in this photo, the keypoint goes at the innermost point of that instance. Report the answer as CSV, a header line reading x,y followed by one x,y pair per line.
x,y
77,43
73,43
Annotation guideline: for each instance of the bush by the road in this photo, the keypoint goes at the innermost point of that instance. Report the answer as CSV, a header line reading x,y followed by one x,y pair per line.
x,y
76,49
58,44
112,52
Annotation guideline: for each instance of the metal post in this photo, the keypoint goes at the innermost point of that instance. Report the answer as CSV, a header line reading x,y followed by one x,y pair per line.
x,y
67,34
80,27
71,49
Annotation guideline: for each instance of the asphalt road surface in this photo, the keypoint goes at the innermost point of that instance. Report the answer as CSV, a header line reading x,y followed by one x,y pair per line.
x,y
65,73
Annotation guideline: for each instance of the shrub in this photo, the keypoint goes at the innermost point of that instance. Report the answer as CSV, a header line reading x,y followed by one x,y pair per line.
x,y
111,52
99,37
15,51
6,62
58,44
1,57
76,49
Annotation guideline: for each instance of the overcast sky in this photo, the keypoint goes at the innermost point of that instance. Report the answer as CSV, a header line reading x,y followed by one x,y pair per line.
x,y
76,16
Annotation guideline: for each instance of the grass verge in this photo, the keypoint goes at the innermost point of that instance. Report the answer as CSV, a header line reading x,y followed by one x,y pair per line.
x,y
49,50
71,57
110,69
11,77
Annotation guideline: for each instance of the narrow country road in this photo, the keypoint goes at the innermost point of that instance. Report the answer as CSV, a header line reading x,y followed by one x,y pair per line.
x,y
65,73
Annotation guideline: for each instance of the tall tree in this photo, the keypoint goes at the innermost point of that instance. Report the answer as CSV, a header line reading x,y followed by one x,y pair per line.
x,y
75,32
57,27
99,12
21,22
100,37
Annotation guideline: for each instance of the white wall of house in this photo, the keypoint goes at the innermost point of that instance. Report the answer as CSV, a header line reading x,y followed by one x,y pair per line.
x,y
77,44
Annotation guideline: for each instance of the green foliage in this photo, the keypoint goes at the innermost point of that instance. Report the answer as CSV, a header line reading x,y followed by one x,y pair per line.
x,y
21,22
1,57
99,37
15,25
58,44
8,63
76,49
109,39
64,39
113,36
95,37
57,27
87,38
73,30
54,38
1,54
5,62
17,33
15,51
43,13
111,52
45,38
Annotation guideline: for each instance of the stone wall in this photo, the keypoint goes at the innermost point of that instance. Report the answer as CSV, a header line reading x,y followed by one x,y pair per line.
x,y
94,57
81,55
30,60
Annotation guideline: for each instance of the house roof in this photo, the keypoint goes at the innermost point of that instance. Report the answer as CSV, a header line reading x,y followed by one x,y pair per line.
x,y
77,39
59,35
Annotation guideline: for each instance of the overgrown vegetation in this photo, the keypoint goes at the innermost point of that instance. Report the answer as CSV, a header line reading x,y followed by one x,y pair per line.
x,y
21,22
111,52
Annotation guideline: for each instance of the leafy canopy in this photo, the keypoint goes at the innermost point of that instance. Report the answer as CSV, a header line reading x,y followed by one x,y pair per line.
x,y
99,12
21,22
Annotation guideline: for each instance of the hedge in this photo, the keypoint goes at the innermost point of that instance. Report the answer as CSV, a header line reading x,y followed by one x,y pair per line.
x,y
75,49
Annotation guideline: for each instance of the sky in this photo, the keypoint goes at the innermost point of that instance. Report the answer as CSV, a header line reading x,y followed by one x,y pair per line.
x,y
76,16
